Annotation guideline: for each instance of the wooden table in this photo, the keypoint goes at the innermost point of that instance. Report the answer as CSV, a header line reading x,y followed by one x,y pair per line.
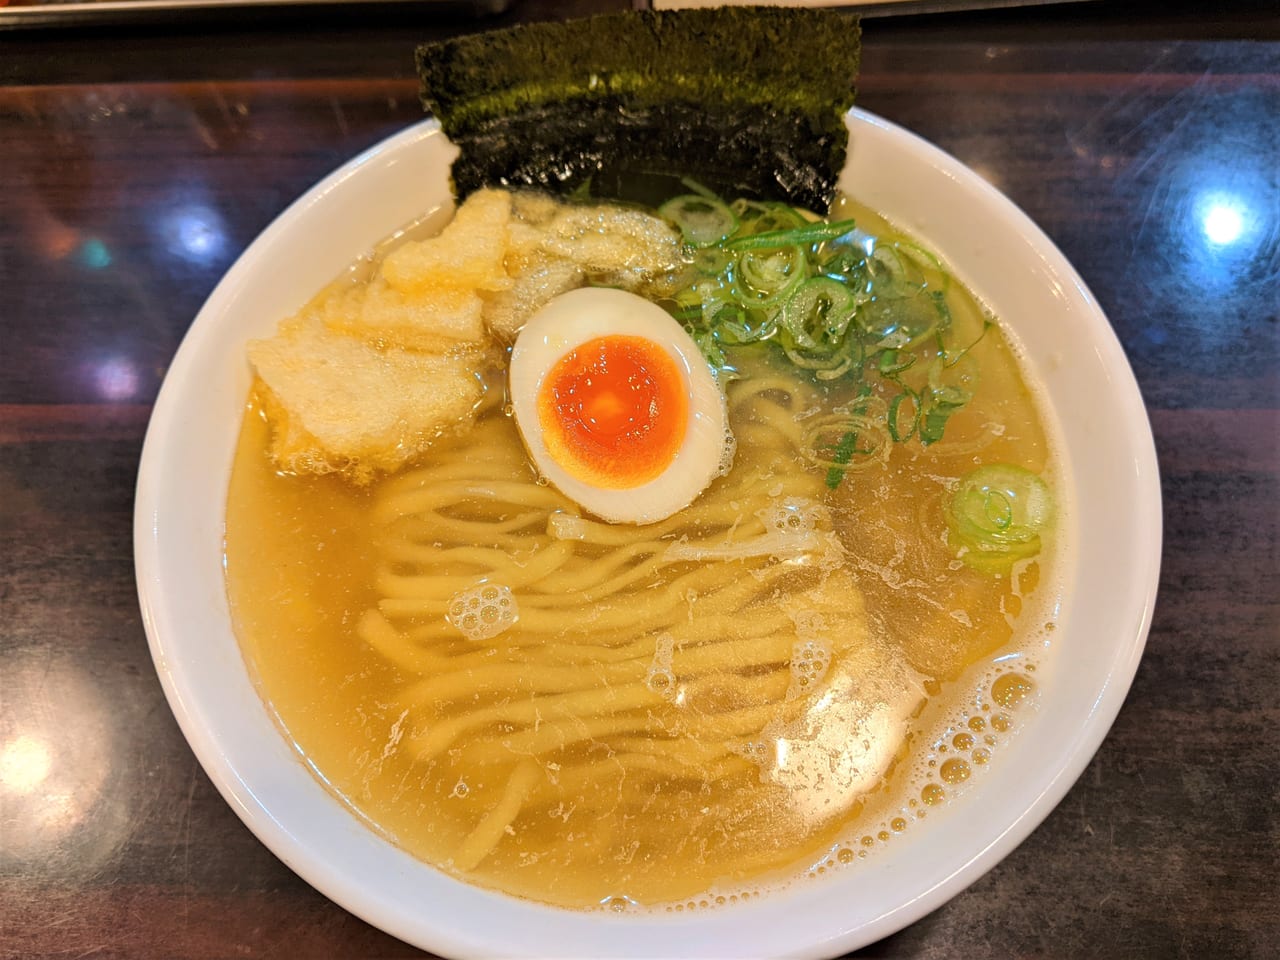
x,y
136,163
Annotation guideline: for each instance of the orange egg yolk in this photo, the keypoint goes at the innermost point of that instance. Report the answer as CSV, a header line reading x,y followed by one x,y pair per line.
x,y
614,411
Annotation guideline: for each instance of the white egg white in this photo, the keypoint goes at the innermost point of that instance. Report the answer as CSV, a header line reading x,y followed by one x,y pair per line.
x,y
578,317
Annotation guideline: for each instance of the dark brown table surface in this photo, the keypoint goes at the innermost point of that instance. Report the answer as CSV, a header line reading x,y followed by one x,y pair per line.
x,y
135,164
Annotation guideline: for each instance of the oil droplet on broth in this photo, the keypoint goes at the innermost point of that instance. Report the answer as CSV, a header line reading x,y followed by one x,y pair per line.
x,y
962,741
932,794
954,770
845,855
1011,689
898,824
981,755
1000,722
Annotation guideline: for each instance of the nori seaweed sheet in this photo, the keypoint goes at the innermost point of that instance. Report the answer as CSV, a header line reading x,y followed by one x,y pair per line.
x,y
749,101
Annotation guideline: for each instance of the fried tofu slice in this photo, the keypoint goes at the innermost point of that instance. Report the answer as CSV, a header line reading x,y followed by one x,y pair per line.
x,y
468,253
630,246
555,247
429,294
439,322
340,404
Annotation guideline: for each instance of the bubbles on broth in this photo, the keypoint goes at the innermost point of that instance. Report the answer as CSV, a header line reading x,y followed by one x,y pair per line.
x,y
792,518
660,678
961,742
810,659
483,612
727,453
1011,689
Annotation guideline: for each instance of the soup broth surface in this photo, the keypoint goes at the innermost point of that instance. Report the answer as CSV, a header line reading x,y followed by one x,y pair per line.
x,y
757,687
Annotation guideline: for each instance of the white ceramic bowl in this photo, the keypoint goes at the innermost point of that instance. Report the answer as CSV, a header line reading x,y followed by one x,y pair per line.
x,y
1110,583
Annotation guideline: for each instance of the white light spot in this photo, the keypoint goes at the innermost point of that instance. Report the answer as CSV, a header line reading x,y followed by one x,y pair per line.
x,y
116,379
195,232
1223,224
25,762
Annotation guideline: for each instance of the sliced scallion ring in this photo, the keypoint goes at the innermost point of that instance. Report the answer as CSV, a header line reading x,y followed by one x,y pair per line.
x,y
817,314
997,514
711,261
896,429
757,217
807,235
702,220
769,274
827,366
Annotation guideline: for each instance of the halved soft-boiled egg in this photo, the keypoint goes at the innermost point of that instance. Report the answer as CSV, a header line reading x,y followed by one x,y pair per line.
x,y
617,406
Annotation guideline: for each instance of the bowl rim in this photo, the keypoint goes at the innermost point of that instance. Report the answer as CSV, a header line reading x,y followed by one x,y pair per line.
x,y
241,784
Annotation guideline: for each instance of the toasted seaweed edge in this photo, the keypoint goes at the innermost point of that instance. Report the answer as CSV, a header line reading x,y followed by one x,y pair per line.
x,y
762,72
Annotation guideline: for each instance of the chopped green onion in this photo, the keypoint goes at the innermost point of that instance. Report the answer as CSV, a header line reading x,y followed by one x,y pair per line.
x,y
895,405
885,262
848,444
759,217
944,398
702,220
840,261
743,326
934,423
711,261
952,359
839,304
844,453
706,341
693,186
890,365
801,236
827,366
997,515
817,314
920,256
771,274
939,299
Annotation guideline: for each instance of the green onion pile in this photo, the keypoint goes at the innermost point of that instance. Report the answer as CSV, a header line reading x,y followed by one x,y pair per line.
x,y
852,311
